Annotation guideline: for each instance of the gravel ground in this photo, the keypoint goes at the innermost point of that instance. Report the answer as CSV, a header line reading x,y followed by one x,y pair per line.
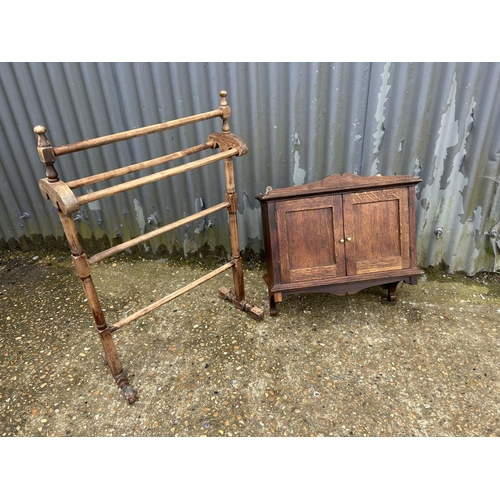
x,y
425,365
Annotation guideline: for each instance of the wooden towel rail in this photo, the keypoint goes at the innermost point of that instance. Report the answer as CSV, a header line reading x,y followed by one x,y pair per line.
x,y
61,195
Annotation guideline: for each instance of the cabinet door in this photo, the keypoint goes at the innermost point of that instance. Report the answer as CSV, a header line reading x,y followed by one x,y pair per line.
x,y
309,230
376,231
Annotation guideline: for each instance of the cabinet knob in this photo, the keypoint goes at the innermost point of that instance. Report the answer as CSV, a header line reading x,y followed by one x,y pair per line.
x,y
349,239
341,240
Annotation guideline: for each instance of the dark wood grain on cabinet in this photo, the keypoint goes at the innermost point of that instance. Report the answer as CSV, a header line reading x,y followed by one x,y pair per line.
x,y
340,235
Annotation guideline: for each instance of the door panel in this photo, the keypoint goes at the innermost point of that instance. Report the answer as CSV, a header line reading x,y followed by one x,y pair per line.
x,y
377,231
309,230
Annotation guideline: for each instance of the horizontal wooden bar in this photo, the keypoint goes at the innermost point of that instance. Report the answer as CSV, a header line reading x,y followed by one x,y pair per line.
x,y
168,298
140,239
97,195
130,134
117,172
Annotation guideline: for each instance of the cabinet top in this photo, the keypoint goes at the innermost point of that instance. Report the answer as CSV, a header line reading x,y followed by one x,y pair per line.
x,y
340,182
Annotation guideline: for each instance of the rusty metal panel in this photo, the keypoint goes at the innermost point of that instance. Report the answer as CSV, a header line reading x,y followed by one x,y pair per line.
x,y
302,121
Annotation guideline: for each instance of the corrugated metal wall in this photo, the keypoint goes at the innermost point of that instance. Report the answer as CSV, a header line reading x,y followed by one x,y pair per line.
x,y
301,121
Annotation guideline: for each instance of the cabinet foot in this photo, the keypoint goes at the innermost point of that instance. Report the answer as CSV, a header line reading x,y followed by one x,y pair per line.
x,y
273,297
391,290
272,305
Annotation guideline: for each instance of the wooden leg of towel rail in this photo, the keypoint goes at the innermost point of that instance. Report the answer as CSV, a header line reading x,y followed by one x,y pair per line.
x,y
238,297
113,361
83,270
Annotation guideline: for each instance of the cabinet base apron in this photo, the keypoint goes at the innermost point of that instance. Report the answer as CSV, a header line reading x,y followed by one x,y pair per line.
x,y
389,282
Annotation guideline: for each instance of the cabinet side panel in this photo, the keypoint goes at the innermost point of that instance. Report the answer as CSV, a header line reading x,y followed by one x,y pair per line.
x,y
270,240
412,217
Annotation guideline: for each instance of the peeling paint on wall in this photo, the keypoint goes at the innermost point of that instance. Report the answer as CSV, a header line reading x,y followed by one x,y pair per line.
x,y
443,194
95,206
250,217
417,171
447,138
299,174
379,115
139,216
199,205
189,245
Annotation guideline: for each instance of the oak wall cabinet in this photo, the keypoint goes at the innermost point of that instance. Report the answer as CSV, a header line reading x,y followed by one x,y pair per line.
x,y
340,235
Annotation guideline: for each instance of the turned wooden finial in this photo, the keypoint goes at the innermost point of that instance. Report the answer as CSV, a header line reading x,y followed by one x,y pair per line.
x,y
223,94
226,111
46,153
